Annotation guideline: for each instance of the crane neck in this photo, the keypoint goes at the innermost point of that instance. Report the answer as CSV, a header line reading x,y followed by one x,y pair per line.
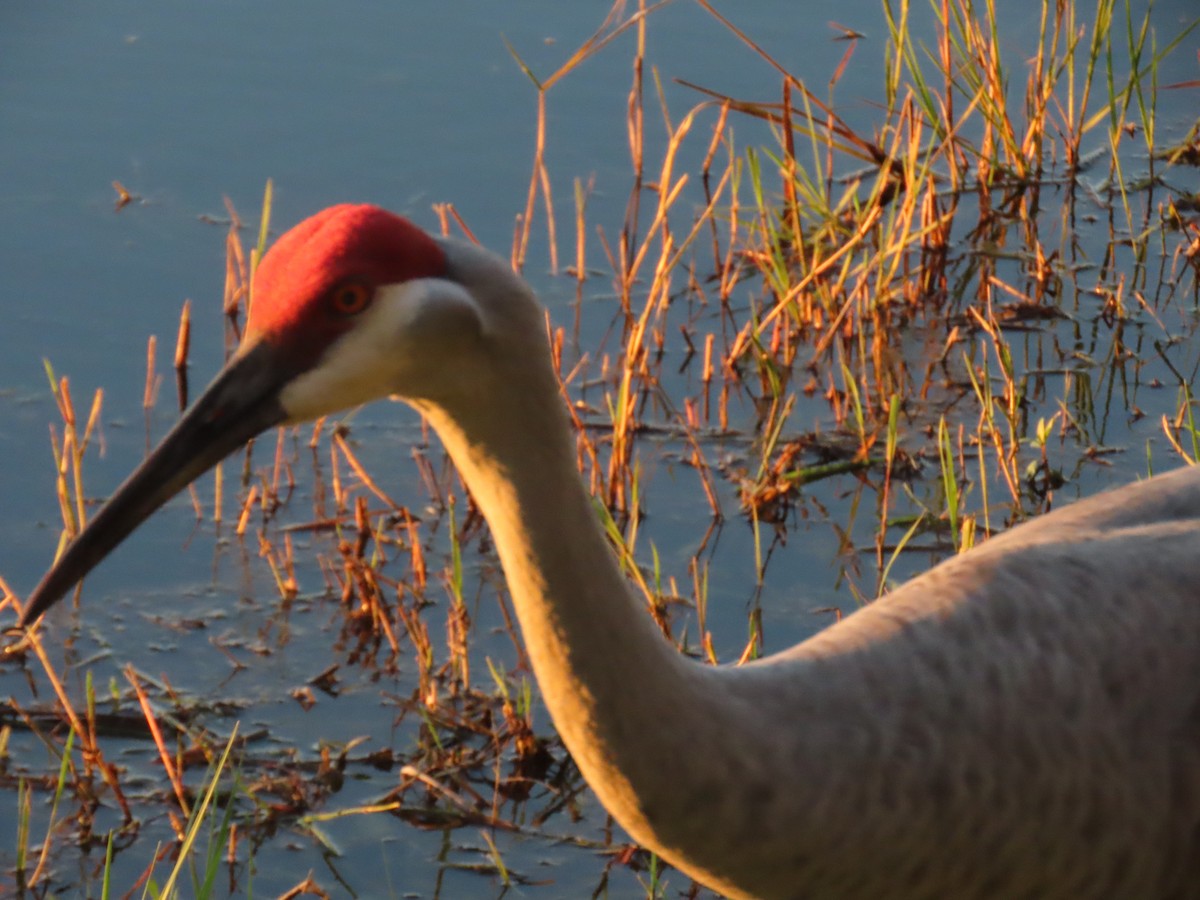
x,y
613,684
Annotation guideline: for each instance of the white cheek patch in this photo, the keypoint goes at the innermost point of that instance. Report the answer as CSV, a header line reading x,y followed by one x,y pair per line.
x,y
426,309
403,326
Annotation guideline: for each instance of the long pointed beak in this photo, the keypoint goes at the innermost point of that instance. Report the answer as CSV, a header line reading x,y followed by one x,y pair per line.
x,y
241,402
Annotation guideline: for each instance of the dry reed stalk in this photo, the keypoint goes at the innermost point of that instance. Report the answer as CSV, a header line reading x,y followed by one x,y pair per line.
x,y
539,180
247,508
447,212
183,343
156,735
90,752
283,569
339,441
150,392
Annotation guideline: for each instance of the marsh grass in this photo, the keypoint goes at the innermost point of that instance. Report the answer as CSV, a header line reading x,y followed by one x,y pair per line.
x,y
939,319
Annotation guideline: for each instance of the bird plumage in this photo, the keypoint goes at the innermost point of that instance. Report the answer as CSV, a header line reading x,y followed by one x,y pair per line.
x,y
1022,720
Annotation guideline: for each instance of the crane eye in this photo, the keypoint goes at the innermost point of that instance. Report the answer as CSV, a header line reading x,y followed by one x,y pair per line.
x,y
350,299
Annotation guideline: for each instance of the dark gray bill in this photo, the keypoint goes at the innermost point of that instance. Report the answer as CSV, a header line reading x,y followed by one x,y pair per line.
x,y
241,402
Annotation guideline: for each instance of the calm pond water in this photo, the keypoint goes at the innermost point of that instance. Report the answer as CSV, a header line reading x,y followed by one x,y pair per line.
x,y
405,106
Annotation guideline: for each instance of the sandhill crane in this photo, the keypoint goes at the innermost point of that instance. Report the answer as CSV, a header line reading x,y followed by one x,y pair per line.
x,y
1021,721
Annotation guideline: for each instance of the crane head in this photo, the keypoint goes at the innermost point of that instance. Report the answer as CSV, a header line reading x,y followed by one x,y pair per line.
x,y
352,304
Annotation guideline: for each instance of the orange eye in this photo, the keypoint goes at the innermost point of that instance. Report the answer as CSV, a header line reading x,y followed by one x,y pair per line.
x,y
350,299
